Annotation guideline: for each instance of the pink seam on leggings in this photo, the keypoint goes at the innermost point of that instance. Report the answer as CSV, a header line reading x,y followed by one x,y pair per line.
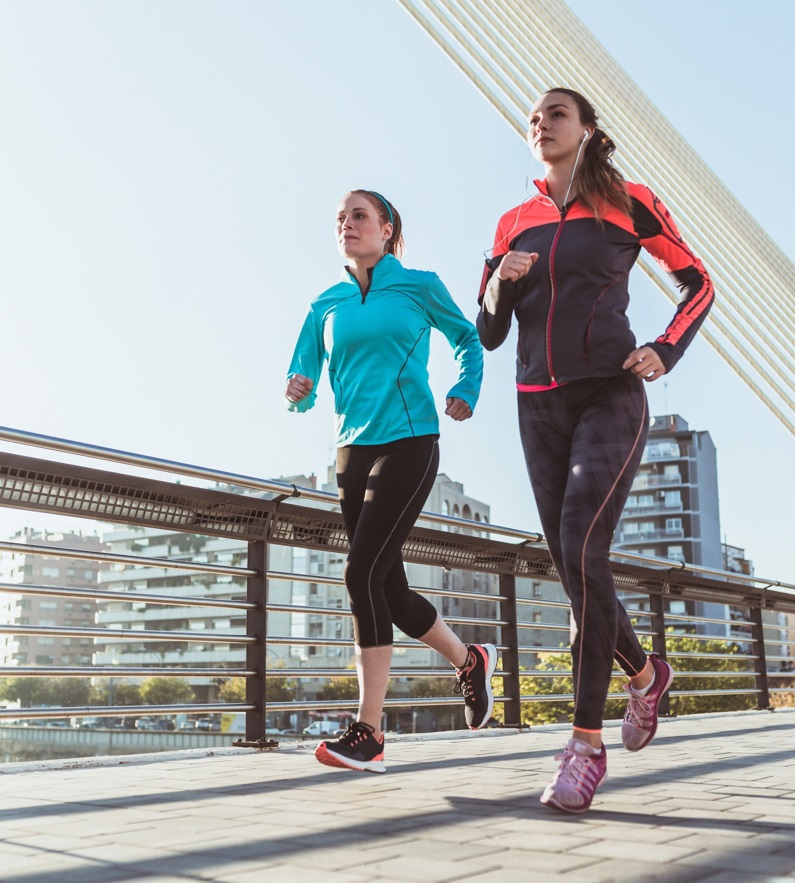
x,y
585,545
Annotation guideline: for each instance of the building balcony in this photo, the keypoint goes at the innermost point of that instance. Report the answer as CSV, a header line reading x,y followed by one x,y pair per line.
x,y
648,480
645,536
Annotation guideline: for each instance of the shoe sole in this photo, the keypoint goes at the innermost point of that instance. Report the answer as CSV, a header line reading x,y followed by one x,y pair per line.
x,y
329,758
491,651
550,801
653,732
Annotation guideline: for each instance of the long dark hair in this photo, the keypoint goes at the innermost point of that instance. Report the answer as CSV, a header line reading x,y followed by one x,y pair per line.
x,y
389,215
599,183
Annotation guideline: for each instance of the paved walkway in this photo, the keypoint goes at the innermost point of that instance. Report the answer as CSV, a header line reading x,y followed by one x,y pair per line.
x,y
712,800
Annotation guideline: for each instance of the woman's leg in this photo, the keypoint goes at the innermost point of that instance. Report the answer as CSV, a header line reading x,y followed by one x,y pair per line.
x,y
599,427
382,491
606,449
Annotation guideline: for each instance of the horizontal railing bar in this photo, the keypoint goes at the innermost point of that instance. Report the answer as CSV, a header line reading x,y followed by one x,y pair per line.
x,y
687,617
675,654
114,558
342,704
101,595
568,697
197,637
696,636
280,488
342,642
123,710
307,673
339,611
120,671
338,581
54,443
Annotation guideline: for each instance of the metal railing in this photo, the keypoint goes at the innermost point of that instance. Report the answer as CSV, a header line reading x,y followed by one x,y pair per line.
x,y
274,518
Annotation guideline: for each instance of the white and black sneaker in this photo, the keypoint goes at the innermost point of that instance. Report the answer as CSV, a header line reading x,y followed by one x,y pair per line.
x,y
474,684
356,749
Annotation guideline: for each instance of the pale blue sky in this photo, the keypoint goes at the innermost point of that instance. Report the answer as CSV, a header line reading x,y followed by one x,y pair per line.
x,y
170,169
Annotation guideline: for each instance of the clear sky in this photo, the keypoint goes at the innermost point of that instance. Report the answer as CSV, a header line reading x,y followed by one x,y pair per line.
x,y
169,174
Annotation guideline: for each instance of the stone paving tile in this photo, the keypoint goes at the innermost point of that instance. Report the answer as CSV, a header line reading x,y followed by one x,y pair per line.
x,y
630,850
465,808
745,877
755,863
635,872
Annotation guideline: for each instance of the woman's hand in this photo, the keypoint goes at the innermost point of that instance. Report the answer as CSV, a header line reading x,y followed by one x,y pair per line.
x,y
458,409
298,387
515,265
646,363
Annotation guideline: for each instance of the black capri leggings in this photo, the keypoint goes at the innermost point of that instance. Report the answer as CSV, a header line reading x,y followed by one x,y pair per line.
x,y
583,443
382,491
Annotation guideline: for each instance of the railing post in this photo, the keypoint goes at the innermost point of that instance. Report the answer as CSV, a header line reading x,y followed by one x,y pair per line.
x,y
657,609
256,624
760,658
509,636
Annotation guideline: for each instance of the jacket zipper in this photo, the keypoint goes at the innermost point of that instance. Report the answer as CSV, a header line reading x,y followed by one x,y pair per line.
x,y
554,295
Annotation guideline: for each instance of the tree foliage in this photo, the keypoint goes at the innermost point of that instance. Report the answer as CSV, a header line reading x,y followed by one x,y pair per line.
x,y
166,691
736,673
30,692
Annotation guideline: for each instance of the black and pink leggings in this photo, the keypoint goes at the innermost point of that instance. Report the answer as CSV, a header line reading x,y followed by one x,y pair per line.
x,y
382,491
583,443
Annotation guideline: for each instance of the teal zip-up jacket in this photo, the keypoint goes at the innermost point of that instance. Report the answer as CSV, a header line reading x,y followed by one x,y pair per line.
x,y
377,346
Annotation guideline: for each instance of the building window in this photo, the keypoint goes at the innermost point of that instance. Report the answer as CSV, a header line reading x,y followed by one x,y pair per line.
x,y
673,525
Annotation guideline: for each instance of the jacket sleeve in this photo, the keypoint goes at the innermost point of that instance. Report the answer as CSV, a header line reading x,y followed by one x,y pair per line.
x,y
661,239
308,358
444,314
497,300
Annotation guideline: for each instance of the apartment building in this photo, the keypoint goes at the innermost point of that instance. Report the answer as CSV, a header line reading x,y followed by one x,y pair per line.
x,y
51,611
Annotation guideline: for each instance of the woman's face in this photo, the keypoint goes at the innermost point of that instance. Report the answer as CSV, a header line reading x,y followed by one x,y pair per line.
x,y
555,130
361,234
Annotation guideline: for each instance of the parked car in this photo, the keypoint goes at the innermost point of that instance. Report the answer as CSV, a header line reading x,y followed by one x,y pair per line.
x,y
323,728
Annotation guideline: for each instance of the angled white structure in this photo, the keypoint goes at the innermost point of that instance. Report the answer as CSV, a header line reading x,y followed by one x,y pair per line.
x,y
752,324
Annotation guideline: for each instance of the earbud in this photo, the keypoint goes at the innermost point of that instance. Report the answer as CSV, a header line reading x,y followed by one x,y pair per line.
x,y
586,135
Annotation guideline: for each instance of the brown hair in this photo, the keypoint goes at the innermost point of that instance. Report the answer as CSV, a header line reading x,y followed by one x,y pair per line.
x,y
388,215
599,183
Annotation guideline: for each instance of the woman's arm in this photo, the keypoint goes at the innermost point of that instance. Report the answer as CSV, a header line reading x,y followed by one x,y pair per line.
x,y
661,238
498,294
306,365
444,314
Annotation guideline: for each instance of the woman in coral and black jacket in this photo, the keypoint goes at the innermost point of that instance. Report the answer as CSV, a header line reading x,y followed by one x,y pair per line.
x,y
560,265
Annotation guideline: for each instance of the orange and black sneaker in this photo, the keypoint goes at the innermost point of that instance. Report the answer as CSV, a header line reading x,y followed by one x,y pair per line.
x,y
473,682
356,749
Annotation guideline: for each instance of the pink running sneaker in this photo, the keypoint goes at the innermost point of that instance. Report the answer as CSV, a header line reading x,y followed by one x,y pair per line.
x,y
640,720
580,773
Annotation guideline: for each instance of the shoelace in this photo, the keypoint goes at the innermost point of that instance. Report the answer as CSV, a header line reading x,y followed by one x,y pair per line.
x,y
354,734
639,710
577,770
463,682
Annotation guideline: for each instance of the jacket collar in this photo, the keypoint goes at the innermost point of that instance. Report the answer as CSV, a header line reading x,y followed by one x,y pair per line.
x,y
388,264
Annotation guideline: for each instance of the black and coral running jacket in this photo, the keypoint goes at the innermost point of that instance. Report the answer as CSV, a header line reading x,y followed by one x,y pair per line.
x,y
571,306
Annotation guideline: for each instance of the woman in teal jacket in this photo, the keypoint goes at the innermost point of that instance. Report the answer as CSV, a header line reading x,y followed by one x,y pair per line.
x,y
373,328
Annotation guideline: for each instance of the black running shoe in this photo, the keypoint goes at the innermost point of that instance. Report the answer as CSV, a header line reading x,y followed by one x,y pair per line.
x,y
356,749
474,684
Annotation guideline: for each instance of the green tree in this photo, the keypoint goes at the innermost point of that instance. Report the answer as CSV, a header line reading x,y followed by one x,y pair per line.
x,y
431,688
26,691
736,674
276,690
123,694
166,691
339,688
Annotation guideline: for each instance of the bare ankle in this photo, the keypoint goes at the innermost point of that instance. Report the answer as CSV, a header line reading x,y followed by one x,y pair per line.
x,y
590,737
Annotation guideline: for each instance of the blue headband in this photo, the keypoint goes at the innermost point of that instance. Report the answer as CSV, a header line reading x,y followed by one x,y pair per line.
x,y
391,219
